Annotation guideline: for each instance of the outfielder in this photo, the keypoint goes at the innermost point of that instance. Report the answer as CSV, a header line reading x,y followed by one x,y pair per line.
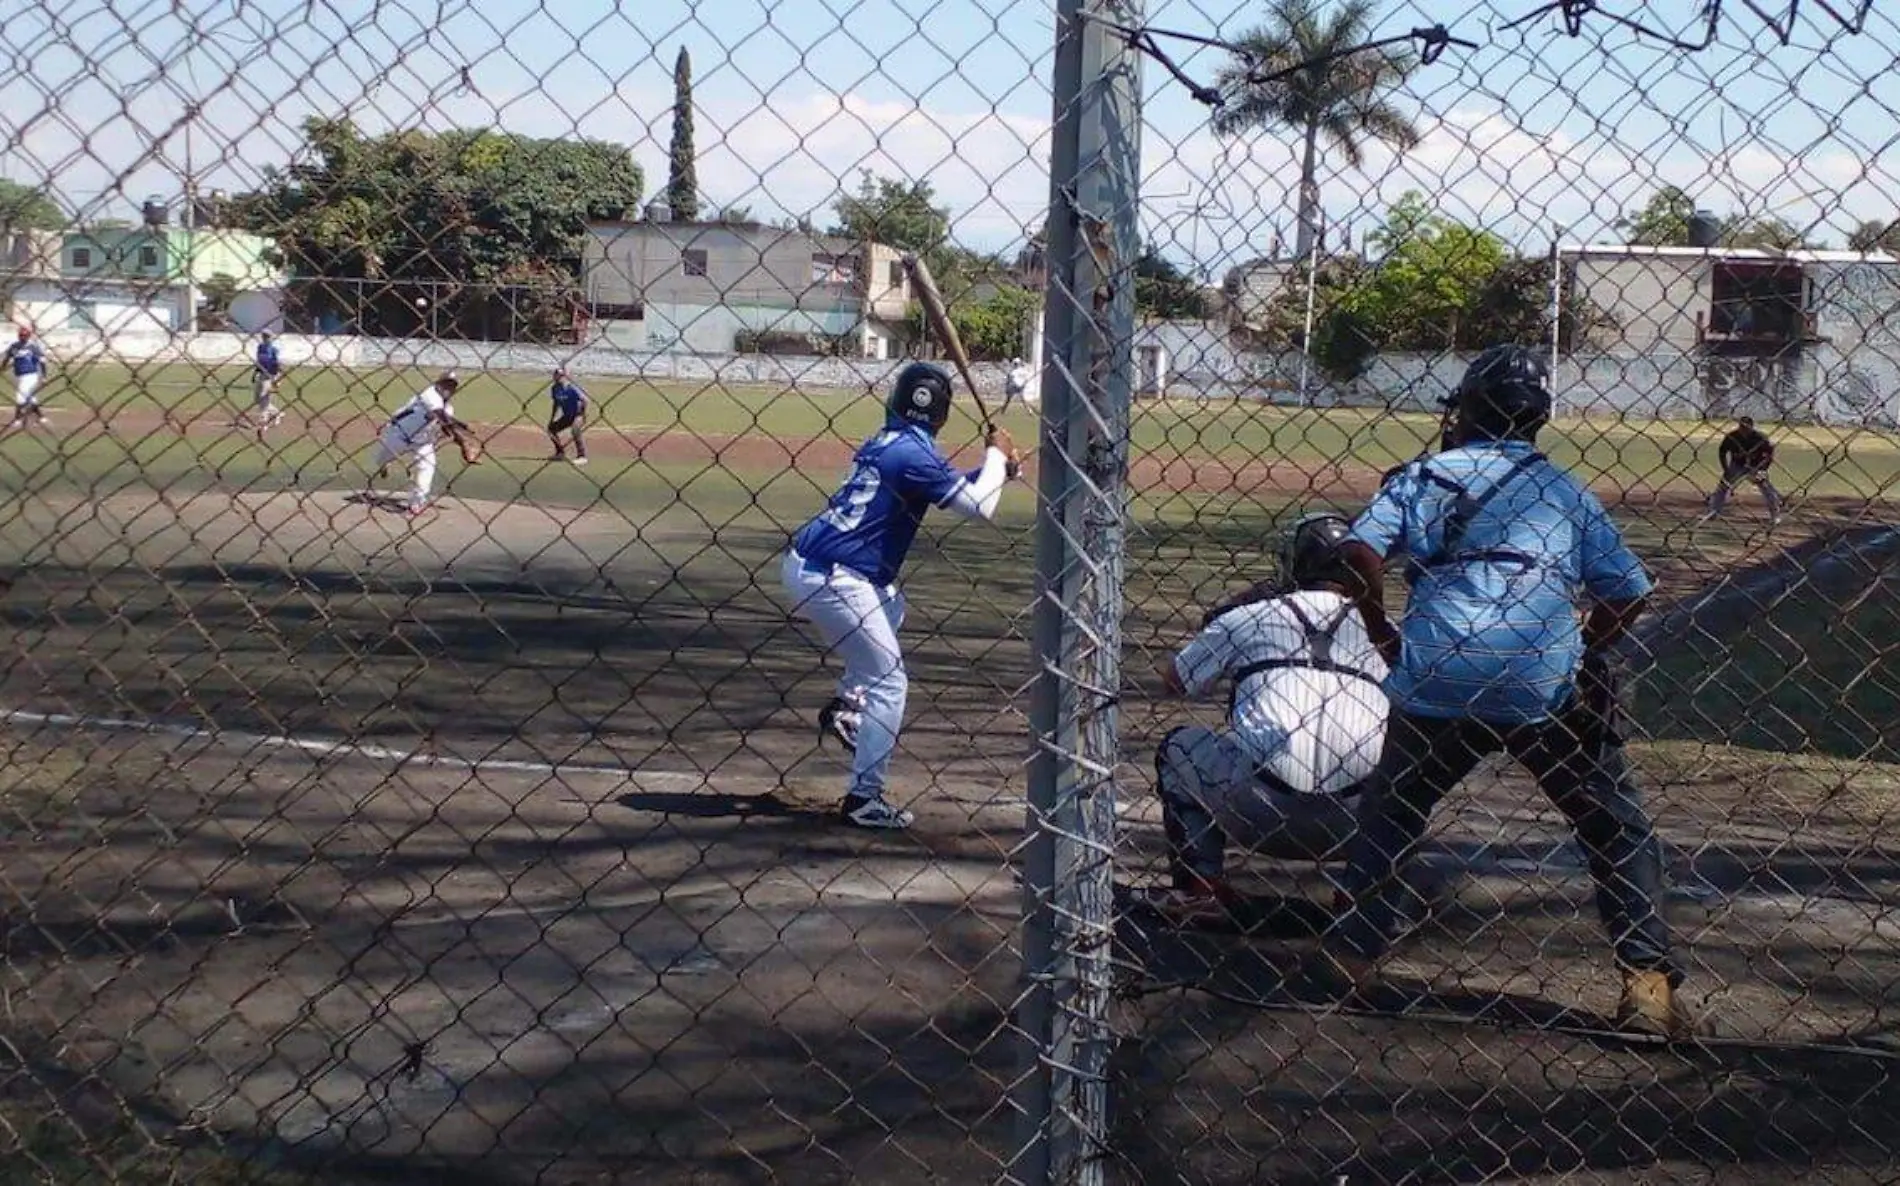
x,y
1307,721
570,411
1490,657
27,360
413,432
266,371
1746,455
841,573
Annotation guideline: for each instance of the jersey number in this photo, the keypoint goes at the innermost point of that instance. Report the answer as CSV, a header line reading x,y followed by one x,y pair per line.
x,y
853,499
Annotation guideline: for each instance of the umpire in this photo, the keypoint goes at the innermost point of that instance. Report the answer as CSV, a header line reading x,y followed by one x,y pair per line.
x,y
1491,656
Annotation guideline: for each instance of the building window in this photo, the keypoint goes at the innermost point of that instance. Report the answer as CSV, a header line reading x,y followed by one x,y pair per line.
x,y
693,261
148,257
833,269
897,275
1752,299
82,257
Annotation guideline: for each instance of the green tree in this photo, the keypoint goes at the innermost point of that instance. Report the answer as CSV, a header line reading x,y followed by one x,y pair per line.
x,y
682,184
902,214
1663,221
991,329
1431,272
1765,231
1164,291
1339,99
214,301
368,223
1875,235
27,209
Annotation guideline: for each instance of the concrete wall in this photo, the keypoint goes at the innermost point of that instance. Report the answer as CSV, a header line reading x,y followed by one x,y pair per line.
x,y
744,266
1652,299
1828,385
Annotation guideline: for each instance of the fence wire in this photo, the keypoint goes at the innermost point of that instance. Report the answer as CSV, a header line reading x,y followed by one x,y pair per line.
x,y
466,719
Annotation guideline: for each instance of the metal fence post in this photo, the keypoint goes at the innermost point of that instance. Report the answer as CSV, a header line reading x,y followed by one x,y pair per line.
x,y
1087,388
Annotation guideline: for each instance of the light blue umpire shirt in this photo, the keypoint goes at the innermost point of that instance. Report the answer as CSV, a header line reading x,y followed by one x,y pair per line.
x,y
1491,629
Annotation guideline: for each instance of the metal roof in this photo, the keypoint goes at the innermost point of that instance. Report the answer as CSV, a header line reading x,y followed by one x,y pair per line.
x,y
1799,255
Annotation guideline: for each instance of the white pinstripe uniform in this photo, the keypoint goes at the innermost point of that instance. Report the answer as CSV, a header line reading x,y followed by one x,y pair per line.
x,y
1307,724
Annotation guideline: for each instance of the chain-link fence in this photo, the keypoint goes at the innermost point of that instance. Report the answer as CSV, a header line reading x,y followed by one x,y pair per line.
x,y
463,467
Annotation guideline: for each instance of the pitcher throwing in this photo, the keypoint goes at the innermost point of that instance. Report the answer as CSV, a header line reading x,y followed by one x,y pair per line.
x,y
413,432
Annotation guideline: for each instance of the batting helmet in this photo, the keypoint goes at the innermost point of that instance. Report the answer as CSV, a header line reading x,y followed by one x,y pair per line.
x,y
1310,554
921,396
1505,395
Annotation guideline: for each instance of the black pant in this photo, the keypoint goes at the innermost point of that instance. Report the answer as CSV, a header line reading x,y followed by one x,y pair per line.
x,y
561,422
1583,772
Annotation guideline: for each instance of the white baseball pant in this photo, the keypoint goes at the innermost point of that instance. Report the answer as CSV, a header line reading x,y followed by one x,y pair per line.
x,y
392,446
1211,796
1731,478
263,388
25,390
859,621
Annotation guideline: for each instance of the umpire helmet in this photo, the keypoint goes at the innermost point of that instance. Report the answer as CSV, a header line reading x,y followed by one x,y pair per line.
x,y
1310,553
921,396
1505,395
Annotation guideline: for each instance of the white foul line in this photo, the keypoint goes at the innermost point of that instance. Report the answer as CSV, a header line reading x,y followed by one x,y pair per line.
x,y
401,757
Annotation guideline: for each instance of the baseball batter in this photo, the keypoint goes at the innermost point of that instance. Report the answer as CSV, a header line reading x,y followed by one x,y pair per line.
x,y
414,431
27,360
1493,655
841,573
569,413
267,369
1306,723
1746,455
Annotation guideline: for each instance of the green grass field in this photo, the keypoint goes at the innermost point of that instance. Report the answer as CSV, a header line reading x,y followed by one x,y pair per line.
x,y
1619,454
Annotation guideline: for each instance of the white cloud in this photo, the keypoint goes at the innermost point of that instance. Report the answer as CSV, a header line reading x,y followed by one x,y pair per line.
x,y
1211,200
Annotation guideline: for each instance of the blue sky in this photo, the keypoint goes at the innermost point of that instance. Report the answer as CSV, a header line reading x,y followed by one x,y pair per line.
x,y
794,97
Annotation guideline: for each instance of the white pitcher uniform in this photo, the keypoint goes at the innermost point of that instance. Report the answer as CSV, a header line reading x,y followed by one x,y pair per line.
x,y
414,431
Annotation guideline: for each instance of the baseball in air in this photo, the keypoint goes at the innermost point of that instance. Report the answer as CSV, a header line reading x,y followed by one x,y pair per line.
x,y
422,302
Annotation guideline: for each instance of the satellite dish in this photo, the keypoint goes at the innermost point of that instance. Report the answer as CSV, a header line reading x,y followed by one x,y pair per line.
x,y
253,312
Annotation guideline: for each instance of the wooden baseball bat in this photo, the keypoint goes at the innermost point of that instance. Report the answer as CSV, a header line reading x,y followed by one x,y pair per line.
x,y
938,318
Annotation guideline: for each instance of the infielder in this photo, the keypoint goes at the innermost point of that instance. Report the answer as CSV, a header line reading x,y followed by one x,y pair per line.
x,y
413,432
266,370
569,413
1306,720
841,573
1016,384
1490,656
1746,455
27,360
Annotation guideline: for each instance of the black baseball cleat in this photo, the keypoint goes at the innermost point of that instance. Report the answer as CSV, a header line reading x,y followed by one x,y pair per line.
x,y
839,721
861,811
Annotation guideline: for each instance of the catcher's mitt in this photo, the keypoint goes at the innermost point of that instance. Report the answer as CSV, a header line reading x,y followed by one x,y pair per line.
x,y
471,450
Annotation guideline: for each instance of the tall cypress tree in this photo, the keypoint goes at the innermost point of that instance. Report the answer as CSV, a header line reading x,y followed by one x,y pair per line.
x,y
682,184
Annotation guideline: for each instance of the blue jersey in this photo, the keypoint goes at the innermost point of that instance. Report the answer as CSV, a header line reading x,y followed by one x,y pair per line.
x,y
26,358
569,399
870,522
1492,629
267,360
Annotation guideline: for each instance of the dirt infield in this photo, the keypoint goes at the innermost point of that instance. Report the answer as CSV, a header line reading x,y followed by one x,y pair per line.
x,y
557,897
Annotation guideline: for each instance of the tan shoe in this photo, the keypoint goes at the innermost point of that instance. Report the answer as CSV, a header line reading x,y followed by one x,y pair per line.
x,y
1651,1006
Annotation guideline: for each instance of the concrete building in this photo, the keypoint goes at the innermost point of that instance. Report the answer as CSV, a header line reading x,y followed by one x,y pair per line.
x,y
128,279
740,288
1784,334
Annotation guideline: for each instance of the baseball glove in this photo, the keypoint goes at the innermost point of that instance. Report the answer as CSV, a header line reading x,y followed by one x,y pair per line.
x,y
471,450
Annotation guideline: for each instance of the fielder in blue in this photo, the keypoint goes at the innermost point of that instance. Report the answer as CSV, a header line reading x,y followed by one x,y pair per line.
x,y
266,372
1520,586
569,413
27,361
841,573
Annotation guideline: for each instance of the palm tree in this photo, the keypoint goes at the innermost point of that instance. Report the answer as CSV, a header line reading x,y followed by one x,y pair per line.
x,y
1339,99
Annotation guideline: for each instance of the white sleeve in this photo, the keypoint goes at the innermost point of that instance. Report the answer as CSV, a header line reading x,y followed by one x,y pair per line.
x,y
977,498
1205,659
